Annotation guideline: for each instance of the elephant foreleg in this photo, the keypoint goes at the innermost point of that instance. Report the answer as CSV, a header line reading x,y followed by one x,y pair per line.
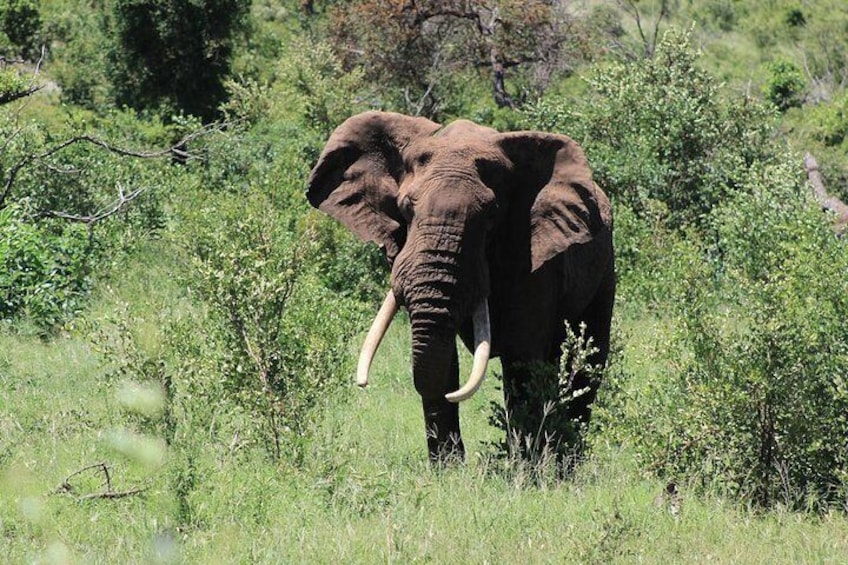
x,y
441,423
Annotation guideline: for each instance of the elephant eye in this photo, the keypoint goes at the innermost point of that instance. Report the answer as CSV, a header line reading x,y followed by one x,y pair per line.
x,y
405,207
424,158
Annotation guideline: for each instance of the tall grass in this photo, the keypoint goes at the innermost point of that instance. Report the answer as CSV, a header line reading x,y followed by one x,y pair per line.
x,y
363,494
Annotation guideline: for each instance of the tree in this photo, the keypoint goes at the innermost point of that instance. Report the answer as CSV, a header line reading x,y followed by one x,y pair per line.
x,y
19,26
174,54
411,44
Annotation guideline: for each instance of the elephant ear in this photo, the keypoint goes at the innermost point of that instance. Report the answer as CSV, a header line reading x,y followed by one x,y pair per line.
x,y
555,187
357,175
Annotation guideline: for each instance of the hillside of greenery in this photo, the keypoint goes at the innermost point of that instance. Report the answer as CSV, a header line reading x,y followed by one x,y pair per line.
x,y
178,326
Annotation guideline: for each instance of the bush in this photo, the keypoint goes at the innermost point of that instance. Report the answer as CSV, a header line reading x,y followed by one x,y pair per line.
x,y
755,403
285,124
45,269
13,84
785,85
57,180
660,129
20,23
652,261
174,56
78,56
542,437
282,337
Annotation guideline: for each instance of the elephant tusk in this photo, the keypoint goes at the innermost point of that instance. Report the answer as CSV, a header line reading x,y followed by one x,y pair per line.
x,y
375,336
482,345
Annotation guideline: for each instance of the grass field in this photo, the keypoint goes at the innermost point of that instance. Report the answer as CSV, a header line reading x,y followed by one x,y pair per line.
x,y
363,494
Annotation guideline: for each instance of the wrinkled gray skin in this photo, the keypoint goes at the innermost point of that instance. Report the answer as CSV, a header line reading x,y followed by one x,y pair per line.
x,y
464,213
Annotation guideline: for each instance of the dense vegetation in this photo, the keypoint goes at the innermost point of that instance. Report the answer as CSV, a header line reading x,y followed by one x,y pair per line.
x,y
177,327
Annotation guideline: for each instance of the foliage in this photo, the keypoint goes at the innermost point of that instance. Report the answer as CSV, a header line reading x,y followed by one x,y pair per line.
x,y
823,131
79,56
13,84
174,56
45,269
785,86
20,23
755,404
314,90
660,129
283,338
721,14
824,59
541,434
63,200
413,50
284,125
652,261
139,379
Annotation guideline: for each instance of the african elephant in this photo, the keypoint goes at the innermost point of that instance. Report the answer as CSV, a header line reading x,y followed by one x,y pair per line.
x,y
499,238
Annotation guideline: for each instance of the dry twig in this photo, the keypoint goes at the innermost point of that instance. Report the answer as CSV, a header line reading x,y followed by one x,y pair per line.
x,y
65,487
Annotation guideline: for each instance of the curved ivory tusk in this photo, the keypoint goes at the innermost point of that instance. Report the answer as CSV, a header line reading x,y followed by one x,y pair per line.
x,y
482,339
375,335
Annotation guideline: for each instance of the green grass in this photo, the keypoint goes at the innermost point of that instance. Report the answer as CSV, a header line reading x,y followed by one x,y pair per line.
x,y
364,492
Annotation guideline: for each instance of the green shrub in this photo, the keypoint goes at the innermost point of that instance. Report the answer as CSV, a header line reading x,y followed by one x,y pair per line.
x,y
12,84
785,85
753,401
661,129
282,337
721,14
79,56
541,437
795,17
652,261
313,91
20,23
45,269
174,56
284,124
75,196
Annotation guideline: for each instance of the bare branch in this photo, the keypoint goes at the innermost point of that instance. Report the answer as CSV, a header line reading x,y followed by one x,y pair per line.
x,y
103,213
31,89
65,487
648,42
12,96
177,150
112,494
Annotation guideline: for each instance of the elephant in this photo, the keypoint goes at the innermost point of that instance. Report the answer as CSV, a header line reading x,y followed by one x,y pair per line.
x,y
499,238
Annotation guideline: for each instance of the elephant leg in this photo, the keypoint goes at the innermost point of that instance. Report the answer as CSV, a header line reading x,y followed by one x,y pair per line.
x,y
441,422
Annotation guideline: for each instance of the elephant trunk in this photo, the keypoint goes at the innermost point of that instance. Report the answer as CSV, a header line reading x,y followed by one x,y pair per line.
x,y
435,370
442,281
434,348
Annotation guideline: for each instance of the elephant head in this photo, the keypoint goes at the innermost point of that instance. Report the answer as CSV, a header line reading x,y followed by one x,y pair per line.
x,y
457,210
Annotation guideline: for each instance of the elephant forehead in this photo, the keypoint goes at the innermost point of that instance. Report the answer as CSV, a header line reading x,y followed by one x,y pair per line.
x,y
465,128
457,151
